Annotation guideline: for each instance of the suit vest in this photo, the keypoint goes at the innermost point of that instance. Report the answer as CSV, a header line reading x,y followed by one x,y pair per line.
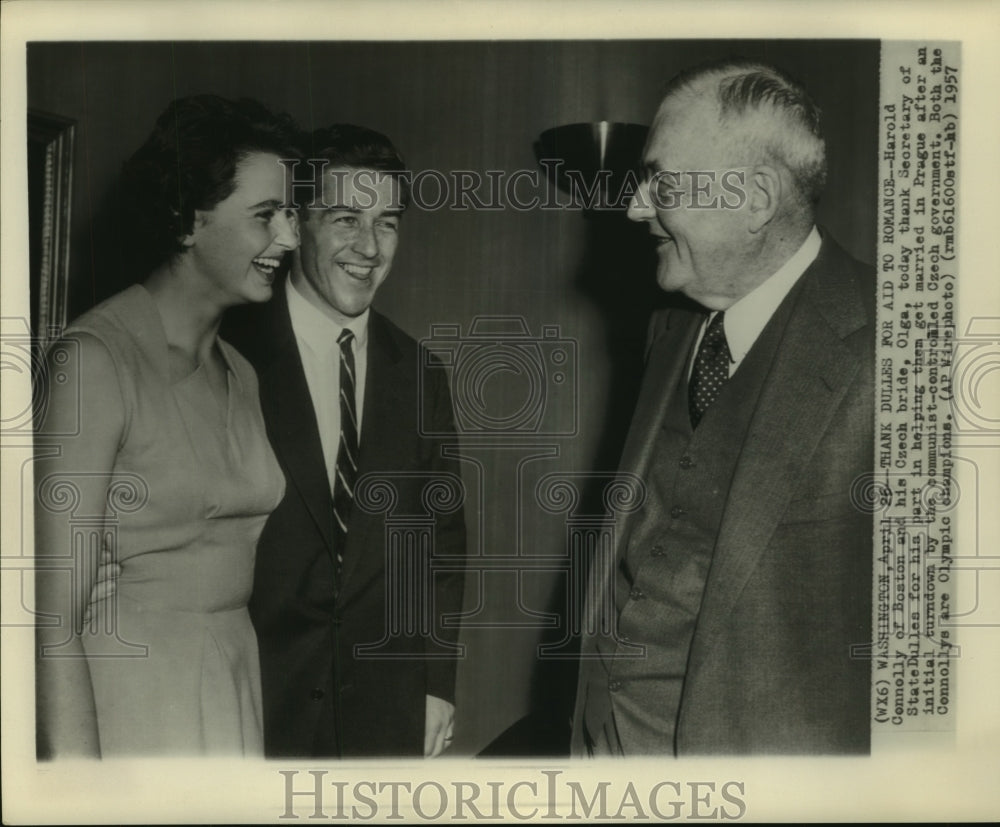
x,y
666,555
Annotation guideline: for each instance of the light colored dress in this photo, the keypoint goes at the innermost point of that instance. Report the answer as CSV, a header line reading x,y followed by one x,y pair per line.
x,y
179,673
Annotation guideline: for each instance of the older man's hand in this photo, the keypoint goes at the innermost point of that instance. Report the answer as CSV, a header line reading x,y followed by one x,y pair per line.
x,y
439,726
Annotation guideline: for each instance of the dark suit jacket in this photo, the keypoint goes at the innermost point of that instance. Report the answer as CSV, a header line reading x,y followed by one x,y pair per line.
x,y
777,663
321,696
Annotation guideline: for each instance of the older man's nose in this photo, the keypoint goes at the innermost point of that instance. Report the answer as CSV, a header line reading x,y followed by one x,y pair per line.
x,y
639,206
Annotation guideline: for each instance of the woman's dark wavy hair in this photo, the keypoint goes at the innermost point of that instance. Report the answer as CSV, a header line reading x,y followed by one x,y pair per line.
x,y
189,163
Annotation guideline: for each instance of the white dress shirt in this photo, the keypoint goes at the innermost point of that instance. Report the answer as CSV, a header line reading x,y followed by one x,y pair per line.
x,y
316,336
749,316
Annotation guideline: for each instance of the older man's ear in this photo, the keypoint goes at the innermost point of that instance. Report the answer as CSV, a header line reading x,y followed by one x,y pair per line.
x,y
765,188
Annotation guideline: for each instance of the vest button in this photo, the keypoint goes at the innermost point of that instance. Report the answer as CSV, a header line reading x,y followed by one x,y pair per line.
x,y
614,686
686,462
317,694
635,594
658,551
677,511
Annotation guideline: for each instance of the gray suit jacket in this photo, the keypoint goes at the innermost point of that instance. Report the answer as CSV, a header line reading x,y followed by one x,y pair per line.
x,y
777,662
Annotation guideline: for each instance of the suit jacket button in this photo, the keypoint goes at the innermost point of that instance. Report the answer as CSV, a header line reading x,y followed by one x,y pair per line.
x,y
657,551
686,462
677,511
635,594
317,694
614,686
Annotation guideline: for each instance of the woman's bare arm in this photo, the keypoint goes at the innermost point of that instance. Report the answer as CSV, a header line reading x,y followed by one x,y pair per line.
x,y
76,466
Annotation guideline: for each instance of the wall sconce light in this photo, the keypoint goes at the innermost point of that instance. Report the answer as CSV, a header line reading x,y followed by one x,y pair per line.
x,y
593,161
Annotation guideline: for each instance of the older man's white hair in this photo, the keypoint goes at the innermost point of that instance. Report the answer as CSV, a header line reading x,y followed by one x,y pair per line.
x,y
768,116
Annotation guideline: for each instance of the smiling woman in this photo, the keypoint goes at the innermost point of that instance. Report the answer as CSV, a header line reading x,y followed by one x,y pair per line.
x,y
165,447
238,245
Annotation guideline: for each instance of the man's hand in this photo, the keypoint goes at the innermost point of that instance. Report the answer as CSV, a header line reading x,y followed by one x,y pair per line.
x,y
438,727
105,585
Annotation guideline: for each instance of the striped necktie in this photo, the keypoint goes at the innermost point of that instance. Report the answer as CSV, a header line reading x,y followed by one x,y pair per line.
x,y
347,450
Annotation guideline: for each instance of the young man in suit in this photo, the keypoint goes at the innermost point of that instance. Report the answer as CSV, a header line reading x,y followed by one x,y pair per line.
x,y
342,390
742,588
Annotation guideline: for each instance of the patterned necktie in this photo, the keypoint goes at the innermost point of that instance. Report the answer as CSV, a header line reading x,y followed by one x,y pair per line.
x,y
347,451
711,370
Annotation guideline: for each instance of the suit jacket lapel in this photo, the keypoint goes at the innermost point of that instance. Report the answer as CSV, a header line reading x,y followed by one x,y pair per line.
x,y
664,368
671,341
291,419
809,377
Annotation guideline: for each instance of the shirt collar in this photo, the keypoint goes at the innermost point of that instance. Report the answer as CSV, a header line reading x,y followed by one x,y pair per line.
x,y
317,330
746,318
